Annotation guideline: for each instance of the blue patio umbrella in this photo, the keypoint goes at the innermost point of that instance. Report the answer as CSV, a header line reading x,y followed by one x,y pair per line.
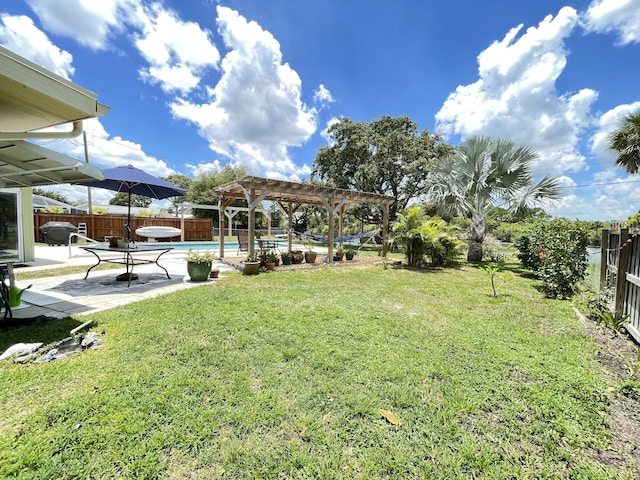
x,y
137,182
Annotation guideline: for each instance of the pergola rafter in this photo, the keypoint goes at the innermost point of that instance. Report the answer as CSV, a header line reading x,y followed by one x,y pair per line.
x,y
290,196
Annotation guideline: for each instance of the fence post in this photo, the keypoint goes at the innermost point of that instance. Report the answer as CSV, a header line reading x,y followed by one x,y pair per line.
x,y
621,273
604,258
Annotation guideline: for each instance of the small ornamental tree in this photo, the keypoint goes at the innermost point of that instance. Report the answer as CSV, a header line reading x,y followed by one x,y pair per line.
x,y
557,252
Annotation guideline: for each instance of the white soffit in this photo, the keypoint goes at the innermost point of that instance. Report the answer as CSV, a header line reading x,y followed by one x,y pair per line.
x,y
23,164
32,97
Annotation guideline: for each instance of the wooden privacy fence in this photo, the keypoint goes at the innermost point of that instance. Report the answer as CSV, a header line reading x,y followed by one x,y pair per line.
x,y
100,226
620,275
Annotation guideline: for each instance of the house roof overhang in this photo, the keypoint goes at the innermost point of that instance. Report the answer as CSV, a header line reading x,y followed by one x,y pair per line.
x,y
302,193
23,164
32,98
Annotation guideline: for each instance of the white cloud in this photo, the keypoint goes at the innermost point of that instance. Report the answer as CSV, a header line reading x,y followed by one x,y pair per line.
x,y
104,151
515,96
21,36
604,196
179,53
325,133
255,111
207,167
107,151
89,22
620,16
323,96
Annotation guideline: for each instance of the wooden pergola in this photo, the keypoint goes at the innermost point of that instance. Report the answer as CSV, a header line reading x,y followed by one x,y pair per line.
x,y
289,196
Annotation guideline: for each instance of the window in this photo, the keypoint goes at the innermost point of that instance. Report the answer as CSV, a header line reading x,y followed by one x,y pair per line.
x,y
9,226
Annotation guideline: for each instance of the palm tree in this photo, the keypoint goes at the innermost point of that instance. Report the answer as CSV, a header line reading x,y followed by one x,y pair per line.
x,y
483,173
626,141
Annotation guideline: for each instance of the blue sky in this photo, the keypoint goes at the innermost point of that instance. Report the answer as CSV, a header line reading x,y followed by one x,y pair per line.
x,y
196,85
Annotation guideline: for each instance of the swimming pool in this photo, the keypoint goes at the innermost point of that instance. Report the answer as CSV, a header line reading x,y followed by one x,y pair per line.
x,y
185,246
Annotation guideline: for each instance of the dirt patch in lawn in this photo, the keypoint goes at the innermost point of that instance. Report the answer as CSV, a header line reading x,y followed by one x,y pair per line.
x,y
624,416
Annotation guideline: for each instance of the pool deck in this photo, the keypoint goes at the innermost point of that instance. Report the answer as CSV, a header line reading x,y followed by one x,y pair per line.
x,y
63,295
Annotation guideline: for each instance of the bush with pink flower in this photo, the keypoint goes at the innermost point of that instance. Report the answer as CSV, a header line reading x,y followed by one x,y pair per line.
x,y
556,250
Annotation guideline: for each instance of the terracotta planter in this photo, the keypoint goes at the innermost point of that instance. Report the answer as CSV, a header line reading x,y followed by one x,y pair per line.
x,y
214,273
270,265
113,241
198,272
251,268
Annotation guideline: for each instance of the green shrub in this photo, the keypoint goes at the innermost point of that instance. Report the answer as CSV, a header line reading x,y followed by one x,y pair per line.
x,y
527,254
557,251
509,232
591,303
423,237
493,251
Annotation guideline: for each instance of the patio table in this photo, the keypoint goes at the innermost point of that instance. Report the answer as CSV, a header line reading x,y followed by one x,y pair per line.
x,y
127,258
270,243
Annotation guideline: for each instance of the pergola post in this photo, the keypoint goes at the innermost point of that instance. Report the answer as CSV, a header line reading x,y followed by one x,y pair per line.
x,y
330,235
252,201
221,227
268,215
251,226
222,205
230,216
289,209
385,228
341,221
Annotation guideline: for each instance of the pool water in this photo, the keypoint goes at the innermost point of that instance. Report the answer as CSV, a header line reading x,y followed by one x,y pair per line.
x,y
185,246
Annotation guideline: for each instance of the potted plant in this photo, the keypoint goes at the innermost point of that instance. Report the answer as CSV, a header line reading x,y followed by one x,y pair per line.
x,y
287,258
262,257
251,265
297,256
340,253
113,240
350,253
310,256
215,273
199,264
271,259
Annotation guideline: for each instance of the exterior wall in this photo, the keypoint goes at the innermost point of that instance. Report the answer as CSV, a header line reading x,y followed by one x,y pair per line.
x,y
27,239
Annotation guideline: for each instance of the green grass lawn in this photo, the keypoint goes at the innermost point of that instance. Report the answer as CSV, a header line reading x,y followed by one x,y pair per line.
x,y
282,375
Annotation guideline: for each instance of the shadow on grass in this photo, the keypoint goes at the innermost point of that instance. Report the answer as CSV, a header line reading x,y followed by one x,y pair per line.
x,y
425,268
39,329
515,268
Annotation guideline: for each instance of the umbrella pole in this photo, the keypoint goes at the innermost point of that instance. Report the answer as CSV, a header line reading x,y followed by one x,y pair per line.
x,y
129,217
128,276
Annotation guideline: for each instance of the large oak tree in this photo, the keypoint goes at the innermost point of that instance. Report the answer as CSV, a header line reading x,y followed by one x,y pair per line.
x,y
388,156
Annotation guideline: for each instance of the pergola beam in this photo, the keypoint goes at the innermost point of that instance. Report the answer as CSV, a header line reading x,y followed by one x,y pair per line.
x,y
256,189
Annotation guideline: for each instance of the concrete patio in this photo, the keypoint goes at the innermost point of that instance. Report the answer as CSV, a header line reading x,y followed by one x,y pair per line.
x,y
62,295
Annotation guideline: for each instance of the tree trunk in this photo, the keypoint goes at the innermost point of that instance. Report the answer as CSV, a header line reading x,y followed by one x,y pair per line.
x,y
476,239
